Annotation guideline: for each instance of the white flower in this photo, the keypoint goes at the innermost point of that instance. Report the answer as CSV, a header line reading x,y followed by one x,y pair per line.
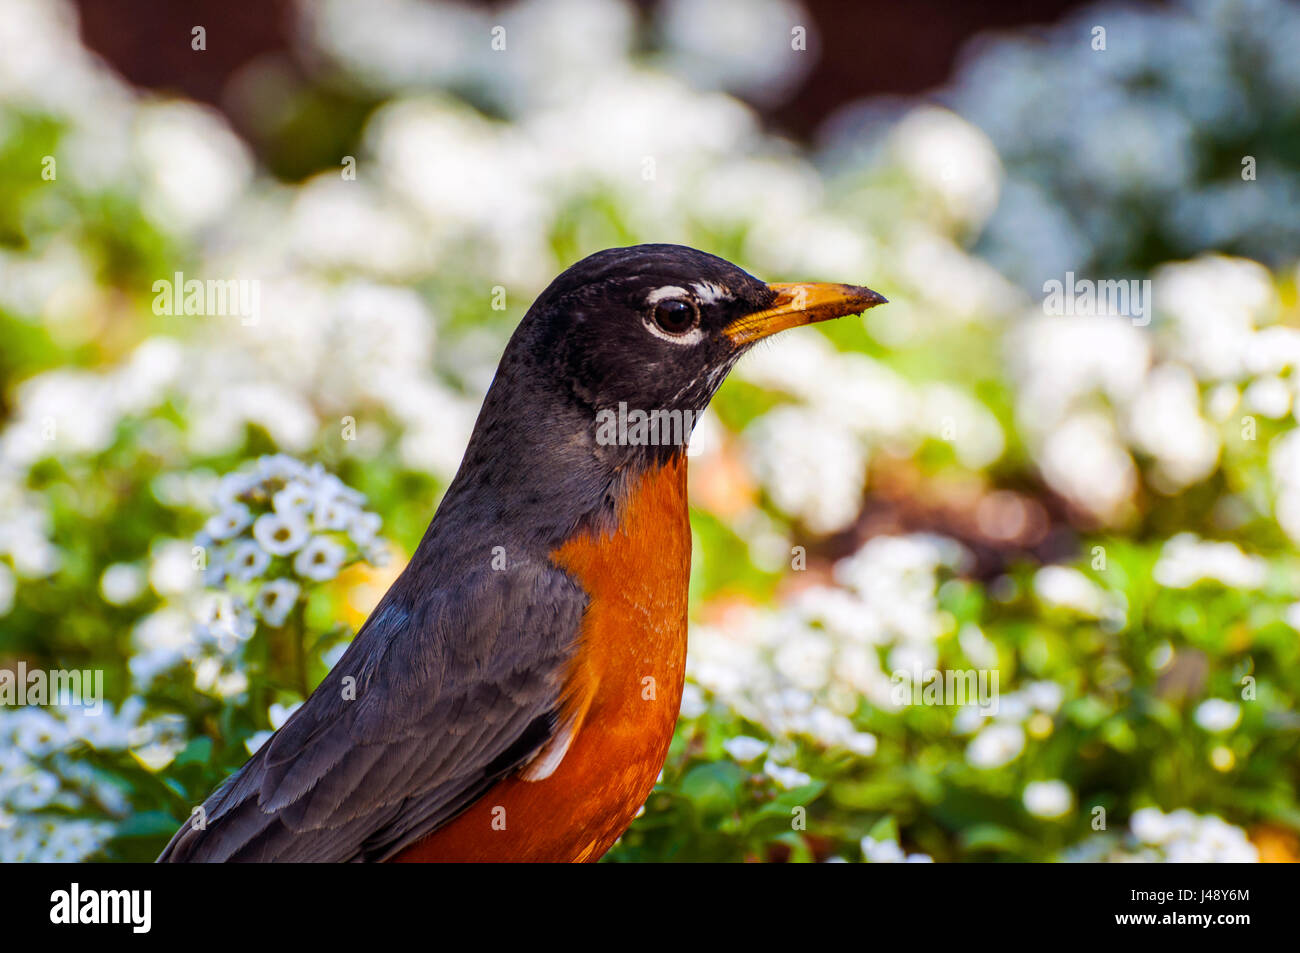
x,y
230,522
193,166
36,790
280,533
320,559
329,486
247,560
1070,589
969,719
951,159
225,620
1151,825
279,466
792,449
278,714
1083,459
36,732
789,778
888,852
231,487
296,498
861,742
1048,799
1222,400
171,571
1216,715
276,599
693,703
162,639
209,677
122,583
1165,421
332,655
1044,696
736,45
332,513
1269,396
995,746
364,527
882,852
744,748
1186,560
158,754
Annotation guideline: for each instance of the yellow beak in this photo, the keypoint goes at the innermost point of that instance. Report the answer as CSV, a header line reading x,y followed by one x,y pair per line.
x,y
802,303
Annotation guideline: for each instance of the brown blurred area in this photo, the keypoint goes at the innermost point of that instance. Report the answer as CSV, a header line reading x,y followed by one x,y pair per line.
x,y
867,48
148,41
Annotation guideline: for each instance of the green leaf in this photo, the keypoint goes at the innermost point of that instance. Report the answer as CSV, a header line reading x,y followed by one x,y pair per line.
x,y
713,788
148,824
198,751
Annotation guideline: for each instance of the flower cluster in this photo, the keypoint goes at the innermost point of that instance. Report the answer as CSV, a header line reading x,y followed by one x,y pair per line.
x,y
802,670
281,525
281,528
54,807
1178,837
1051,100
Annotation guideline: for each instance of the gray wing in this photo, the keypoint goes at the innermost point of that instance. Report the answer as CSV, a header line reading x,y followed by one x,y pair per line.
x,y
452,690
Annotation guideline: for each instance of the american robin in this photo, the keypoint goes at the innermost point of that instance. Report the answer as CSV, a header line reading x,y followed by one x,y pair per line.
x,y
513,695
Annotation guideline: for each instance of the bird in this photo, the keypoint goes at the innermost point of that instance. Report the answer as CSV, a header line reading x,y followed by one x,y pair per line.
x,y
512,696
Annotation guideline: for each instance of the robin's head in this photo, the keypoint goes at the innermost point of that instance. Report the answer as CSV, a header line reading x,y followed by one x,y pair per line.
x,y
606,376
656,328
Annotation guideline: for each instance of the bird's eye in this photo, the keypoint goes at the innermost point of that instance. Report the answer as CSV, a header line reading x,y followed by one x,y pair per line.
x,y
675,315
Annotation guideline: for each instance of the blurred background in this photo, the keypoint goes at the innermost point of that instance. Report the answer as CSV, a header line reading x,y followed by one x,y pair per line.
x,y
1101,508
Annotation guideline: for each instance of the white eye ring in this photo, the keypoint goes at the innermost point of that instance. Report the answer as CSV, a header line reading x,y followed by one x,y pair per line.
x,y
692,335
667,291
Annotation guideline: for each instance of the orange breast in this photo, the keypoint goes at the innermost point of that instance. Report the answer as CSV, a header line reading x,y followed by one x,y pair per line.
x,y
622,694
